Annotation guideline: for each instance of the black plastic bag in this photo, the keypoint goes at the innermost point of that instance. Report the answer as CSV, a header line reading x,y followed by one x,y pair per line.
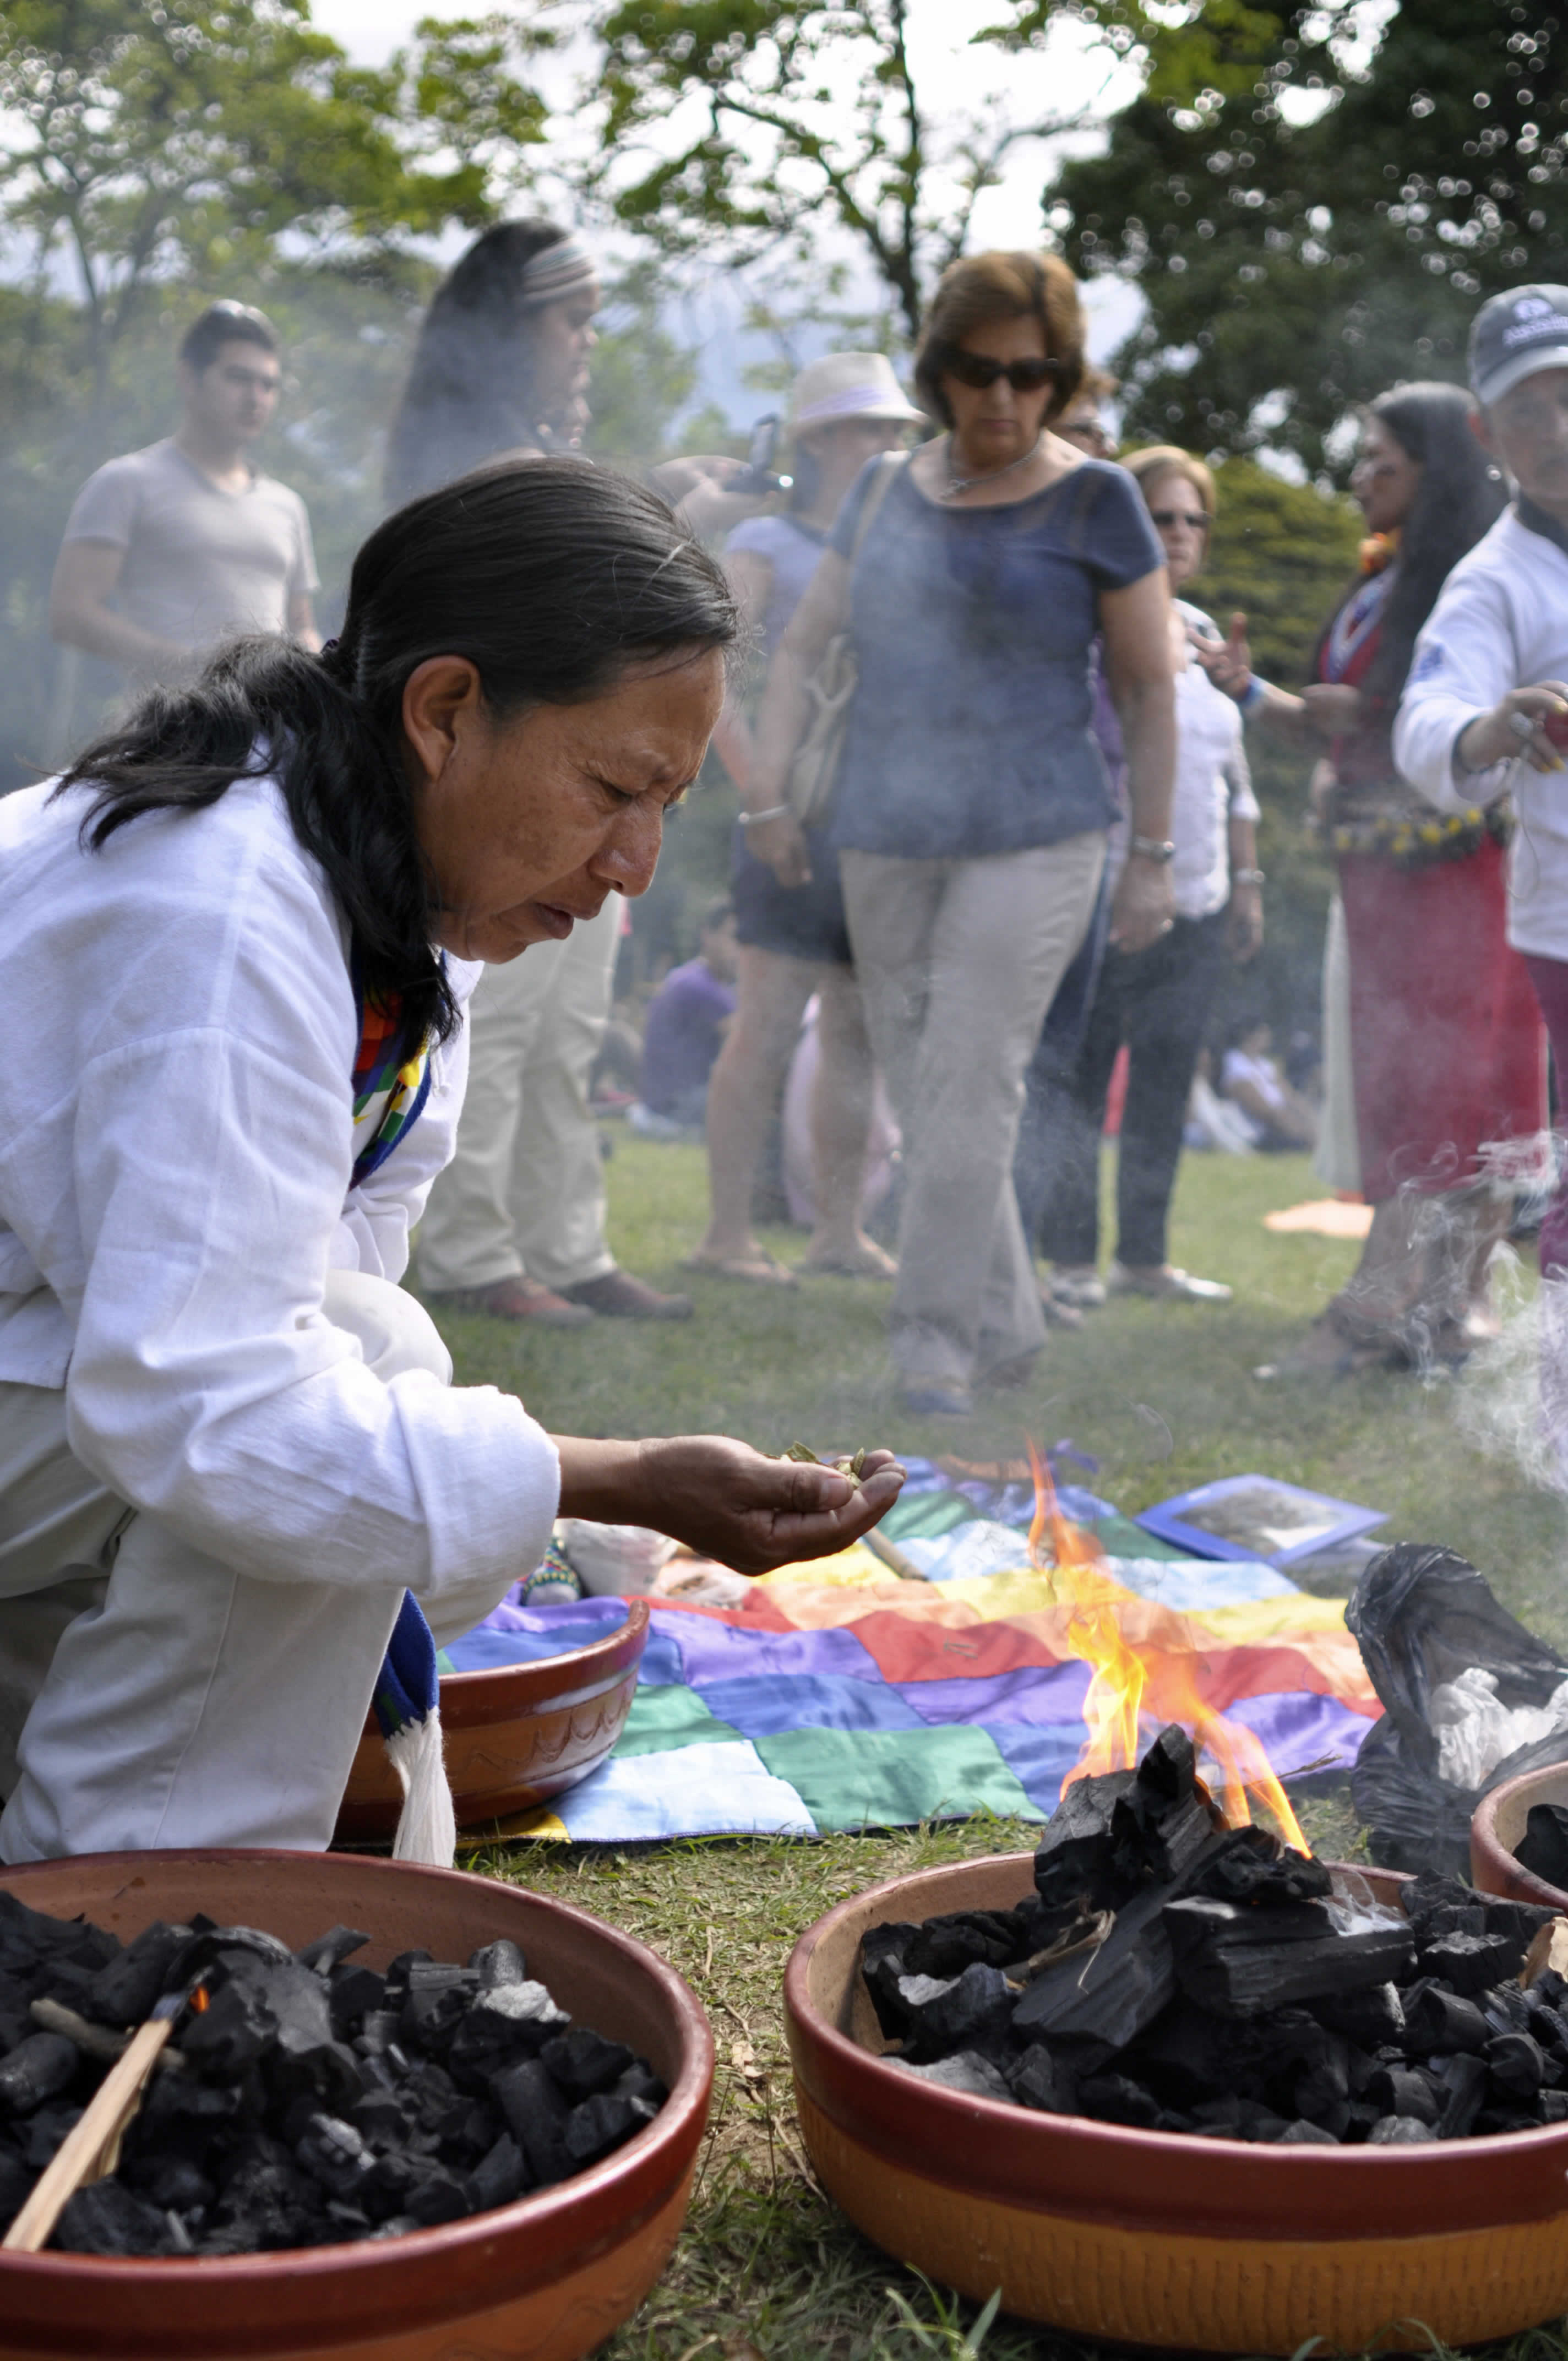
x,y
1420,1616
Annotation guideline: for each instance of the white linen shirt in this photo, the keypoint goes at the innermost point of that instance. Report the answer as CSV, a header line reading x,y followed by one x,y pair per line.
x,y
1212,785
176,1156
1500,622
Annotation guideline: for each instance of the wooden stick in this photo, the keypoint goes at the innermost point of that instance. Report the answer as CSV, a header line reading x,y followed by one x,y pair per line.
x,y
892,1557
91,2150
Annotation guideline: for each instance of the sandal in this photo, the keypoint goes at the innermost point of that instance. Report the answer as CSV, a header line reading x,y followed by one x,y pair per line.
x,y
867,1261
761,1268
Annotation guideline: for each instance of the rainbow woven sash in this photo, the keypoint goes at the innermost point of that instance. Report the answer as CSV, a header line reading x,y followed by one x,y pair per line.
x,y
389,1090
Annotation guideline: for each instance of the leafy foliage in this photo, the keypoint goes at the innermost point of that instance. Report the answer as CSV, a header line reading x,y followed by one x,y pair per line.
x,y
1309,227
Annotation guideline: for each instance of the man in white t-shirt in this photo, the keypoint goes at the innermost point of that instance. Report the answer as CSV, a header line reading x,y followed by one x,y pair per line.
x,y
172,549
1485,710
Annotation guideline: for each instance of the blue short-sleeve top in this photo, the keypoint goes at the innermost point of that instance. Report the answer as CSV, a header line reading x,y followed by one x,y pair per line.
x,y
971,731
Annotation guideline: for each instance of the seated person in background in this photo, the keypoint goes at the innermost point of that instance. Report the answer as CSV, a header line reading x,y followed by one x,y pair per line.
x,y
687,1020
1251,1080
1212,1121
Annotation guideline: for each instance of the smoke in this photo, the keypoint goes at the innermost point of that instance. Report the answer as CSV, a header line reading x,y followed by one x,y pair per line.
x,y
1512,1402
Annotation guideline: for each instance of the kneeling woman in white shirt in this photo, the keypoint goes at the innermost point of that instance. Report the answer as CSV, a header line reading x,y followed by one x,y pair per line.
x,y
238,939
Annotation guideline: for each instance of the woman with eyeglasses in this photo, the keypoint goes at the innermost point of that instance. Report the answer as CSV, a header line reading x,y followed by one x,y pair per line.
x,y
1444,1036
973,802
1159,1003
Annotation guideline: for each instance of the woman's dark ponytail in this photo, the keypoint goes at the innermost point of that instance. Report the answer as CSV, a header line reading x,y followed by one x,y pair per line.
x,y
552,576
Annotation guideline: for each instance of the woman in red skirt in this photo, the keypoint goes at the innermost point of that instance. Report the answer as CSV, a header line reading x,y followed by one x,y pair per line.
x,y
1446,1041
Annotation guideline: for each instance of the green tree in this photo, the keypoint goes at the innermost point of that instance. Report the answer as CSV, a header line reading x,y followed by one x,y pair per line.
x,y
151,144
796,117
1296,261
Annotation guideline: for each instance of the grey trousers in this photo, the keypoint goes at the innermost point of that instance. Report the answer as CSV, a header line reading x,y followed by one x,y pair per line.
x,y
524,1191
150,1696
958,962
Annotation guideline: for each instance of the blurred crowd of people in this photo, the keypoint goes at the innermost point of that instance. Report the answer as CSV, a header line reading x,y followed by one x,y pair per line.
x,y
997,842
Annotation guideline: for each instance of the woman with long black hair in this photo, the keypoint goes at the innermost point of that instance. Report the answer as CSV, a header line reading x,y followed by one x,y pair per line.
x,y
240,935
1445,1037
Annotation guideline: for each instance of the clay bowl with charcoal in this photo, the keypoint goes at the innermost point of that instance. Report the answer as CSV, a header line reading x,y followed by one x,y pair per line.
x,y
549,2276
1502,1823
1146,2237
514,1737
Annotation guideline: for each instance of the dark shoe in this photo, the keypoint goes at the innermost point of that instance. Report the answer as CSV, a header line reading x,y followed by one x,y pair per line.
x,y
516,1299
1166,1285
1009,1377
937,1398
618,1296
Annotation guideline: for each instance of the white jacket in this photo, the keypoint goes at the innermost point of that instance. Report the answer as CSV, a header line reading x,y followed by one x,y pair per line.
x,y
1500,622
176,1152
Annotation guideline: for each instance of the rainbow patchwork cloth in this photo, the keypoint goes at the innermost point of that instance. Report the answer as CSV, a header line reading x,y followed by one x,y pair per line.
x,y
837,1696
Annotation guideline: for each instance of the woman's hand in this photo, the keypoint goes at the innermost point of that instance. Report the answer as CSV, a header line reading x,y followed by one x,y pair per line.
x,y
780,842
1334,710
1145,903
1320,791
1498,736
726,1501
1228,663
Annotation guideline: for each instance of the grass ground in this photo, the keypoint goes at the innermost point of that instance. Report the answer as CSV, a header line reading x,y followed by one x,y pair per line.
x,y
1164,1397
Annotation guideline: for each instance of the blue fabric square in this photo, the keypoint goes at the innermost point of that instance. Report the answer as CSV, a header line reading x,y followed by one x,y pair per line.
x,y
762,1708
1039,1757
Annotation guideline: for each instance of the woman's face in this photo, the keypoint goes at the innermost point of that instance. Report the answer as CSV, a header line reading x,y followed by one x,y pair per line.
x,y
1081,424
560,338
528,823
841,448
1181,522
995,423
1385,479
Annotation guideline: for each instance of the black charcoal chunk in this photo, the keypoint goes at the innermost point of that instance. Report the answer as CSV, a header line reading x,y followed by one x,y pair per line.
x,y
1522,1920
213,1943
335,2154
1304,2133
585,2063
16,2180
640,2081
329,1950
1250,1866
1074,1858
966,2071
1469,1963
172,2183
1373,2014
1241,1962
126,1991
1399,2131
1463,2081
1104,2000
505,2023
1405,2090
38,2068
599,2125
41,2136
957,2013
377,2032
235,2030
1163,1823
1439,2023
498,1963
946,1946
499,2177
1516,2064
438,2194
1113,2097
400,1969
535,2112
1042,2080
352,1995
1544,1847
438,2000
106,2218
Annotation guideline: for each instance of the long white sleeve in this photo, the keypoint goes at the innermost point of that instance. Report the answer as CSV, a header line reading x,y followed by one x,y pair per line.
x,y
175,1147
1464,661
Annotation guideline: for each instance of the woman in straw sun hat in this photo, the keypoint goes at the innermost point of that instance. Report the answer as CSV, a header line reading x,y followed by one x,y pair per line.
x,y
789,911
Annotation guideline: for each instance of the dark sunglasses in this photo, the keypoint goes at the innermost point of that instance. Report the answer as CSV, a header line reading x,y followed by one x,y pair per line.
x,y
1165,518
980,371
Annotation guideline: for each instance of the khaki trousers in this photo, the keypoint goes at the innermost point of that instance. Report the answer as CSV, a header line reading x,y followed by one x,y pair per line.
x,y
150,1696
526,1189
958,962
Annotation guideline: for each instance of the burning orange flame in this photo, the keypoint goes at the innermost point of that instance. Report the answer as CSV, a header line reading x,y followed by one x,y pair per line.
x,y
1127,1681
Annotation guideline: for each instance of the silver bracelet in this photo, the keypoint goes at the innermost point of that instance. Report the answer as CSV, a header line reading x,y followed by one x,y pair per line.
x,y
1153,848
1247,877
755,820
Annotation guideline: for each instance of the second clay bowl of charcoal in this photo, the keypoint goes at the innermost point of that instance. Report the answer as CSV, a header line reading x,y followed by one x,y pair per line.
x,y
1150,2237
514,1737
1503,1824
548,2276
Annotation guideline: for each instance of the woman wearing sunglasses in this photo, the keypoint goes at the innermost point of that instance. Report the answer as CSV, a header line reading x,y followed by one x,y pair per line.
x,y
972,801
1159,1003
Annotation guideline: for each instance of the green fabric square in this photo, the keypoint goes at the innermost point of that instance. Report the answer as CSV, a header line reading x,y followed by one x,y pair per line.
x,y
891,1778
1119,1537
925,1516
663,1717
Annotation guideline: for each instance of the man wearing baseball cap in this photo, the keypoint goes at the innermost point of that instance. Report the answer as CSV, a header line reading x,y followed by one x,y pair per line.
x,y
1485,708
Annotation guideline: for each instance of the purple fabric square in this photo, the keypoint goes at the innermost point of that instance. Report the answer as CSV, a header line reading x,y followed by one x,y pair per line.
x,y
711,1651
1035,1694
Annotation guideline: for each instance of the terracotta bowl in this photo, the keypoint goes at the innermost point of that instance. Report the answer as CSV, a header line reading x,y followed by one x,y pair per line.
x,y
1152,2237
514,1737
548,2278
1498,1827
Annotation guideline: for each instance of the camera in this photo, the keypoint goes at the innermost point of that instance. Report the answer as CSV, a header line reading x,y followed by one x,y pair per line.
x,y
760,473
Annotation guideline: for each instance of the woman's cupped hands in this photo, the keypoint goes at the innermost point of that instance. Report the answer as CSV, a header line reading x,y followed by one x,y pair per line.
x,y
727,1502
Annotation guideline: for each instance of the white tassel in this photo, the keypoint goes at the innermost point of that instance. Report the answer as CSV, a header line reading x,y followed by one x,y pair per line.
x,y
427,1829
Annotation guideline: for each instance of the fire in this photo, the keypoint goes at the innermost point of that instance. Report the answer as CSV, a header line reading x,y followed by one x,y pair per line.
x,y
1127,1681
